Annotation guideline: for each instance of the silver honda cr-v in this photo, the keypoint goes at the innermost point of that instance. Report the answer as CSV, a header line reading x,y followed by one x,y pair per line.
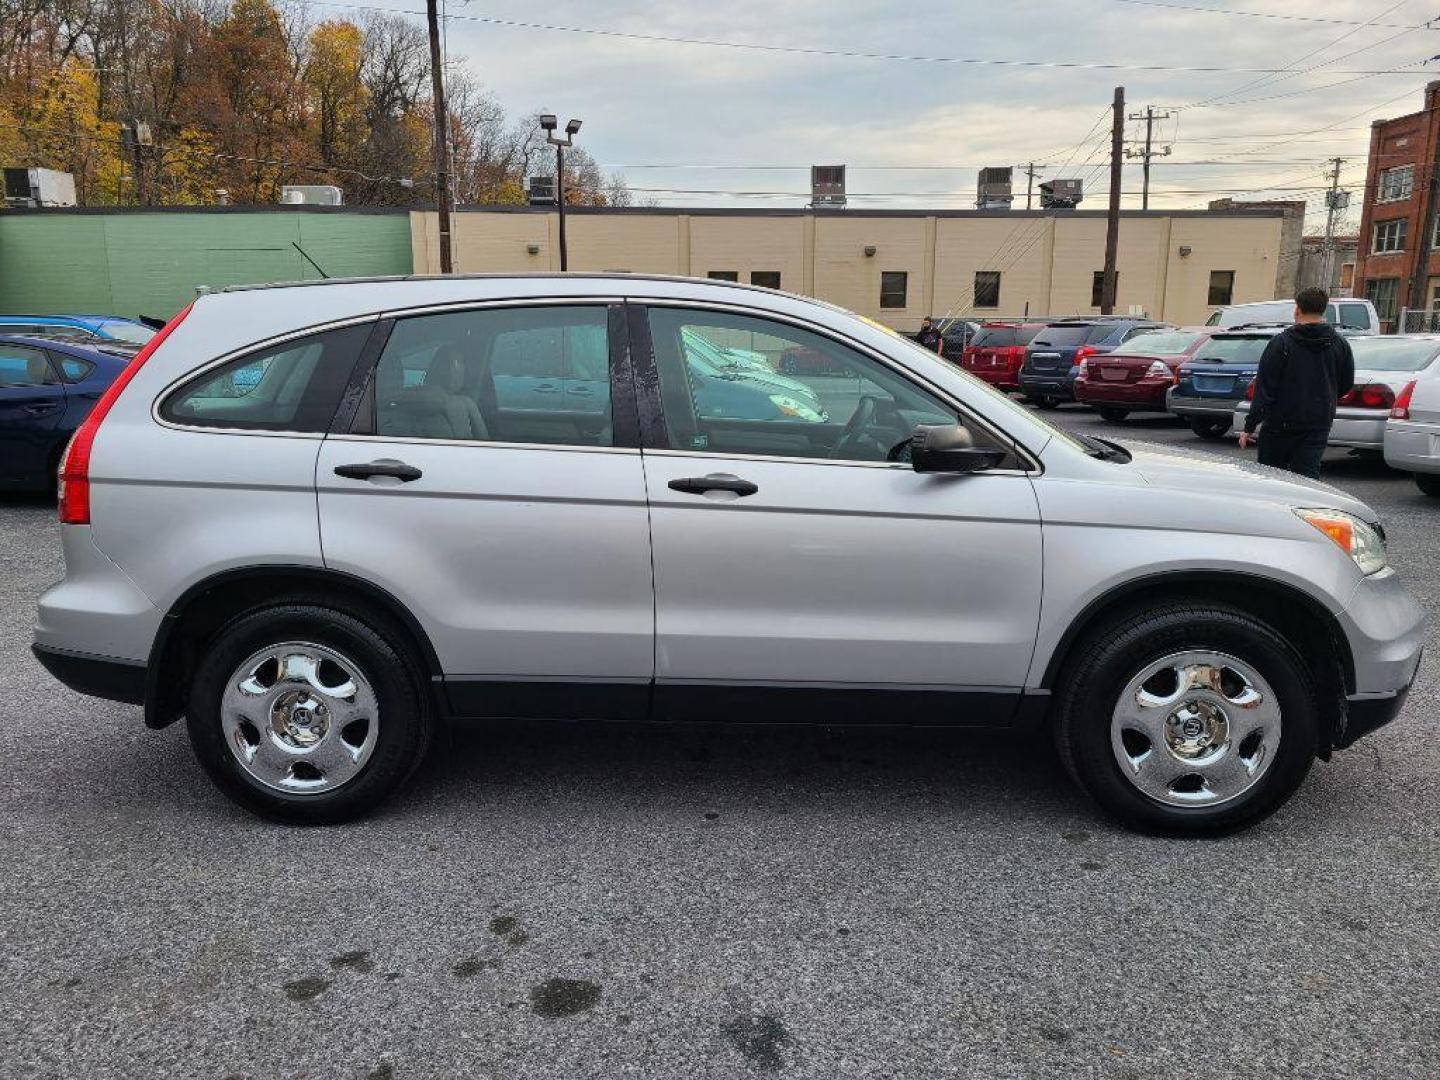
x,y
317,521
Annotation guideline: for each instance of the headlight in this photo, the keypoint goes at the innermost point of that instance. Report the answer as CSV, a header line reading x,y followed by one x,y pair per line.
x,y
790,406
1361,541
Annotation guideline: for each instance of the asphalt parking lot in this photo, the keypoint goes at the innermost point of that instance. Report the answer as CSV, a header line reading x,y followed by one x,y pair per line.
x,y
598,901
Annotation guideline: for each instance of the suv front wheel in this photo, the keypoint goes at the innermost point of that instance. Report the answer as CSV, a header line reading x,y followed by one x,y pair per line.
x,y
306,715
1191,719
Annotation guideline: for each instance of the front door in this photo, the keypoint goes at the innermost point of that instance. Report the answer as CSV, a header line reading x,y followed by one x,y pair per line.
x,y
511,523
801,572
32,401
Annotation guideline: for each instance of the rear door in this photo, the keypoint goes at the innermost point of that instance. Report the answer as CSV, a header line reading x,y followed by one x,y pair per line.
x,y
32,401
800,572
512,525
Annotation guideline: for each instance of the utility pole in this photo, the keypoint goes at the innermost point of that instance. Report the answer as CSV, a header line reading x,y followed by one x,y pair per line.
x,y
1030,175
1149,116
1333,203
1112,224
442,140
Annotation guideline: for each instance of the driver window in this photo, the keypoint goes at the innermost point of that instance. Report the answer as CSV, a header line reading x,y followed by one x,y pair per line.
x,y
733,384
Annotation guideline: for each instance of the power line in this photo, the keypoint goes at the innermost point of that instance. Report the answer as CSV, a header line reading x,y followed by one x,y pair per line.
x,y
849,54
1276,15
959,167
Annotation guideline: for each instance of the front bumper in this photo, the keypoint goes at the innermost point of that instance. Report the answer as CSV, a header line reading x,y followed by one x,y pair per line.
x,y
1364,715
1385,628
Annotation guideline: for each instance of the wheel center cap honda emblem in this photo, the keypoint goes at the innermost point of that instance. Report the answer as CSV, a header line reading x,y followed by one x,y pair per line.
x,y
1192,727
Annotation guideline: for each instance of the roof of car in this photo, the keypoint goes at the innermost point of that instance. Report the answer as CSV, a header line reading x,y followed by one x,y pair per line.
x,y
73,348
568,275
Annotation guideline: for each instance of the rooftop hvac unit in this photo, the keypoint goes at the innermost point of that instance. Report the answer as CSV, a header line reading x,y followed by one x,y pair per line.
x,y
39,187
1061,194
310,195
542,191
992,192
827,185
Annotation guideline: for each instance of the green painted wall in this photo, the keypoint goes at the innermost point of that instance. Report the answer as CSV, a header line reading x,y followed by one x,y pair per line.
x,y
150,264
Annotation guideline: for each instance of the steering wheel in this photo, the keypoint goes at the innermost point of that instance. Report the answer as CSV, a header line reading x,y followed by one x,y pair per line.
x,y
853,437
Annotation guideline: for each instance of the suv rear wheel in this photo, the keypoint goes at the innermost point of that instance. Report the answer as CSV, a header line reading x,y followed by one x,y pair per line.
x,y
1208,429
1189,720
306,715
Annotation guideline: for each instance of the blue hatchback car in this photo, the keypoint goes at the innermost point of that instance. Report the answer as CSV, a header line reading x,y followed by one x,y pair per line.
x,y
103,327
46,388
1052,359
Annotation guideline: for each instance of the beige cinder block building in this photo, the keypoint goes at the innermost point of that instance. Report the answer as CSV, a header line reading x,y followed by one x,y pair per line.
x,y
898,265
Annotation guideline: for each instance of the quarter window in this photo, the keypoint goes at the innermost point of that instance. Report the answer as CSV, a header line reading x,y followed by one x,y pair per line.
x,y
987,288
893,286
813,397
1389,236
21,366
1396,184
293,386
520,375
1222,289
72,368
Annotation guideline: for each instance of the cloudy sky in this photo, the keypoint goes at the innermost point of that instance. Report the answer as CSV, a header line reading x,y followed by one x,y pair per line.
x,y
914,131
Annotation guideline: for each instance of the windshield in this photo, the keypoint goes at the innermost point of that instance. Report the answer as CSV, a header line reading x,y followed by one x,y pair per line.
x,y
1393,354
124,330
1160,343
1232,350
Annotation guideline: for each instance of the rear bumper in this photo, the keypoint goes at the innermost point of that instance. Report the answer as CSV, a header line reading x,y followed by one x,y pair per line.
x,y
1137,395
1413,446
97,676
1363,429
997,377
1211,408
1043,385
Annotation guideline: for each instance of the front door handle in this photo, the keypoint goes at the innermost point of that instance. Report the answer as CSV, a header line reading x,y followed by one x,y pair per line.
x,y
698,485
397,470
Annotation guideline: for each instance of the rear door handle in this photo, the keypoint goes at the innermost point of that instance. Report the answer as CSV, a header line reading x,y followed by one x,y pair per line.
x,y
397,470
698,485
40,408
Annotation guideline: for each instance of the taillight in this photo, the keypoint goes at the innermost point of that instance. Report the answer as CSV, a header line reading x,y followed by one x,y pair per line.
x,y
1158,369
74,478
1082,354
1250,391
1401,411
1369,396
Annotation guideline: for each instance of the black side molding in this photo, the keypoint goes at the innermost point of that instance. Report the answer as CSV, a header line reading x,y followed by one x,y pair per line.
x,y
98,676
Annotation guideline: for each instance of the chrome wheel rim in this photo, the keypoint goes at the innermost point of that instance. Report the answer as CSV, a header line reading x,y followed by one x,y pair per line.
x,y
1195,729
300,718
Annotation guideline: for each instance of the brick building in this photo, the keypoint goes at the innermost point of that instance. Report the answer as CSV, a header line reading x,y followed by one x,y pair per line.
x,y
1397,266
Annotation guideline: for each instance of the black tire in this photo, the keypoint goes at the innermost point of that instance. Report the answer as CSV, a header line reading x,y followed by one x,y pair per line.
x,y
1119,650
377,649
1046,402
1208,429
1112,414
1429,483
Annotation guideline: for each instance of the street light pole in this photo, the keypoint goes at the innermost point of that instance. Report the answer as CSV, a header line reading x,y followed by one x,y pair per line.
x,y
442,172
548,124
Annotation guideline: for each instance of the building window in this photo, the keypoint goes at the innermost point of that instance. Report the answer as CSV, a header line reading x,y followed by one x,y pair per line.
x,y
767,279
1389,236
1222,287
1381,292
893,286
1347,277
724,275
1396,184
1097,287
987,288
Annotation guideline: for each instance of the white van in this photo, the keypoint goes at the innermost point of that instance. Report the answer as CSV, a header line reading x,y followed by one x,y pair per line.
x,y
1346,314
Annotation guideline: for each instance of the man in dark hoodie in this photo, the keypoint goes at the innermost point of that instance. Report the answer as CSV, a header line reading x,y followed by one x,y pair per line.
x,y
1303,371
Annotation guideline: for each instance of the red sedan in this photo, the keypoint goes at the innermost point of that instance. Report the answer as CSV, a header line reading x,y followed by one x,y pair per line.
x,y
1135,376
996,352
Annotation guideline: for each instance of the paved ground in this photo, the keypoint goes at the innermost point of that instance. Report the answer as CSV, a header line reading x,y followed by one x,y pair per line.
x,y
568,901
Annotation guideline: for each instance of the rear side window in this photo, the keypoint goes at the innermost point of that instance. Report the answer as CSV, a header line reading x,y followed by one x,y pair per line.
x,y
1355,316
23,366
293,386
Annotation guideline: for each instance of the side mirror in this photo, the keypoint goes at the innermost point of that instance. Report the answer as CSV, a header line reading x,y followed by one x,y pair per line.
x,y
949,448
